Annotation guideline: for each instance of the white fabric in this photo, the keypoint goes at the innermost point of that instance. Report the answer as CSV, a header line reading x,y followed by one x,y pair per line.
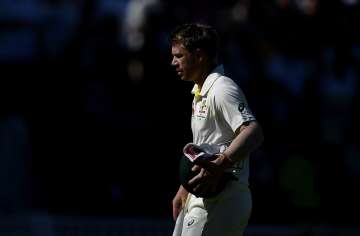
x,y
226,214
202,149
179,224
218,112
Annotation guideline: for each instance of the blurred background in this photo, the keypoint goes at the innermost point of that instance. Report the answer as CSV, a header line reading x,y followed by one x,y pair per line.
x,y
93,118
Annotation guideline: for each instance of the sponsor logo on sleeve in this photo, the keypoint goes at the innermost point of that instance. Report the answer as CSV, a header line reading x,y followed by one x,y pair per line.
x,y
241,106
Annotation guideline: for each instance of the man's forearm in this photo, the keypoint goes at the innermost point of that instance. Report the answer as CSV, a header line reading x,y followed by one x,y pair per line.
x,y
248,138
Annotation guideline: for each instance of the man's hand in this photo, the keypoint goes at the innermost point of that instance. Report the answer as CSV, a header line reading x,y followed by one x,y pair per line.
x,y
178,202
210,173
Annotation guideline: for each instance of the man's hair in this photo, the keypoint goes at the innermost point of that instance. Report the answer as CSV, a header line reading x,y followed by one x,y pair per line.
x,y
195,35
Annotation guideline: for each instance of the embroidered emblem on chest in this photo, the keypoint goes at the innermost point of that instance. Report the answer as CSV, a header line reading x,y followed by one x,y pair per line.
x,y
202,109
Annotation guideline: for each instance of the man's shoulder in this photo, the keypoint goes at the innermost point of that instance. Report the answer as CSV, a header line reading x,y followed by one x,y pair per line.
x,y
223,84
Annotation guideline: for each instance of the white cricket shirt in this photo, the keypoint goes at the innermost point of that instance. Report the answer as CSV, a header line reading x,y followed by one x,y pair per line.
x,y
217,112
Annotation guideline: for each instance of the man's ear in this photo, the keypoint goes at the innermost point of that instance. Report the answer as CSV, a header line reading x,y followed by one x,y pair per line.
x,y
200,54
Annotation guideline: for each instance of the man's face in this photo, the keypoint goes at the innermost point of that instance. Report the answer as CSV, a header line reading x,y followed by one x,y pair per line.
x,y
184,62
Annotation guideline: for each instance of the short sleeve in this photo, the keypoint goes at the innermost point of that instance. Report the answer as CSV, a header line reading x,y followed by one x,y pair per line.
x,y
231,104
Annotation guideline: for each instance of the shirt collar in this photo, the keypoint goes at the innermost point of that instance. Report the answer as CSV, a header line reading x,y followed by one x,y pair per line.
x,y
209,81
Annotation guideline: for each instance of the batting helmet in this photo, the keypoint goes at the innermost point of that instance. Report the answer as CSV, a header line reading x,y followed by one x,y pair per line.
x,y
191,154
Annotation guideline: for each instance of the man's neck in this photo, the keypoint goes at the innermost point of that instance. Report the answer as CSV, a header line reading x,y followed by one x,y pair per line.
x,y
205,73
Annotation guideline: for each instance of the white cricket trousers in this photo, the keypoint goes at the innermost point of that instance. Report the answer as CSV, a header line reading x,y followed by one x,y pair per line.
x,y
224,215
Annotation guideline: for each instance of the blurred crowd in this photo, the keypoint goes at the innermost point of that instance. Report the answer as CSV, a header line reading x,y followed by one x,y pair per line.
x,y
93,118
